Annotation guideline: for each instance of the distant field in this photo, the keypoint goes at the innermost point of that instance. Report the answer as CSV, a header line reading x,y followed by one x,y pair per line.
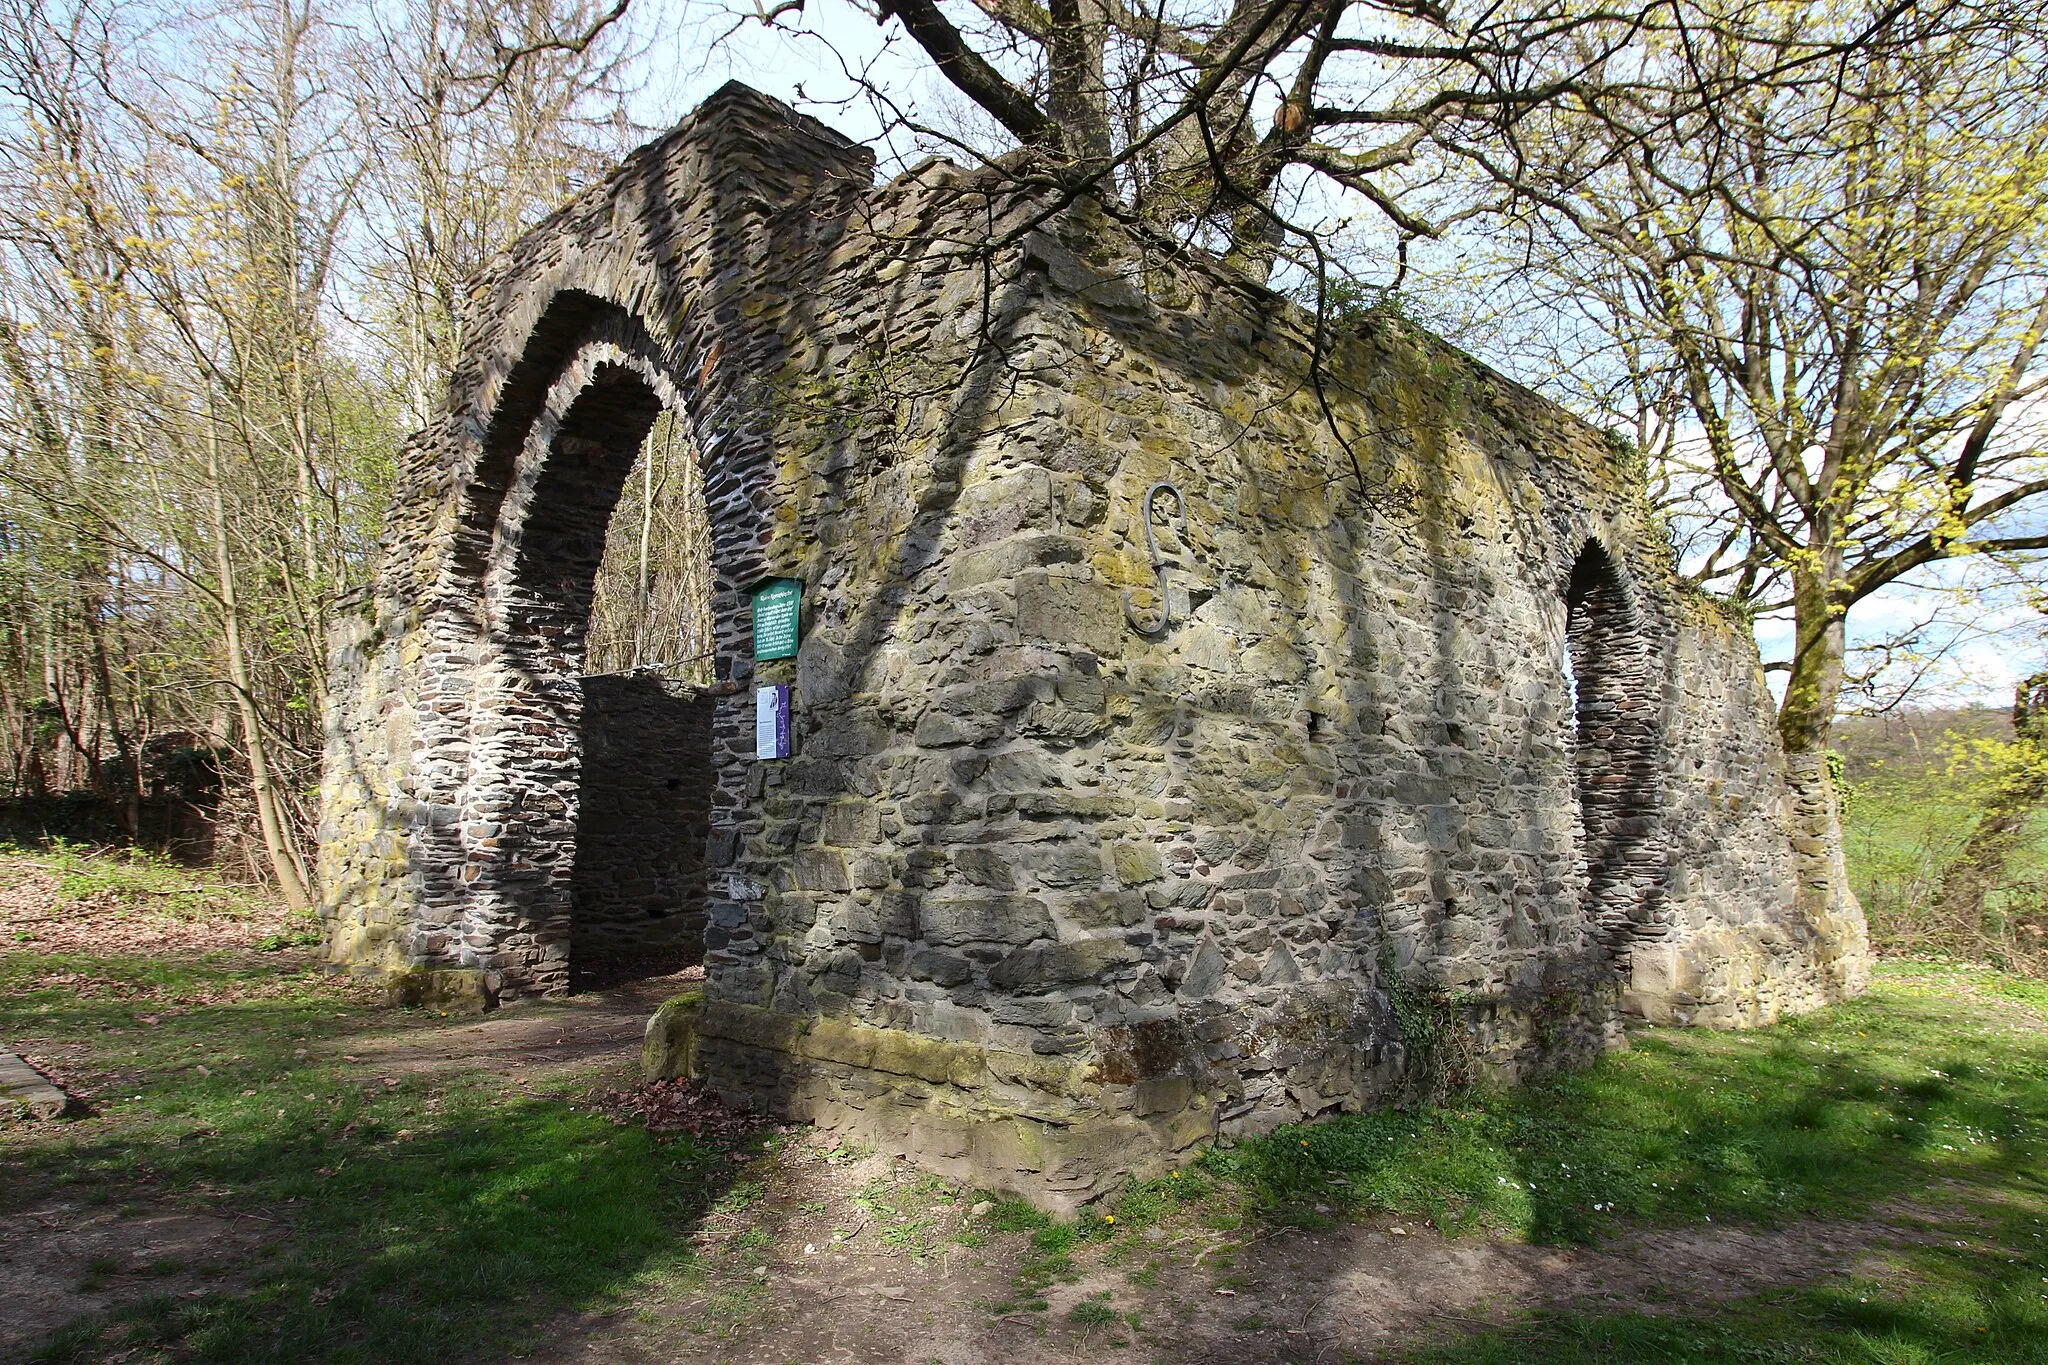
x,y
1916,783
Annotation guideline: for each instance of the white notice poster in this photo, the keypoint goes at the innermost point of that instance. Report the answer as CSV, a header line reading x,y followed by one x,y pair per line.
x,y
771,722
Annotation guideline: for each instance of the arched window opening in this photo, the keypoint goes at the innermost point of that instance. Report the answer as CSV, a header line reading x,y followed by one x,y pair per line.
x,y
1615,750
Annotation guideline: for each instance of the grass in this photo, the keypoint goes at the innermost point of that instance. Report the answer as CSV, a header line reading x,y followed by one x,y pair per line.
x,y
1817,1117
908,1210
452,1216
1923,1105
428,1218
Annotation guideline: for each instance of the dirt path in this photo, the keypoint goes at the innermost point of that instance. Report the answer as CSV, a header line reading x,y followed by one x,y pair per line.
x,y
540,1041
60,1261
1357,1293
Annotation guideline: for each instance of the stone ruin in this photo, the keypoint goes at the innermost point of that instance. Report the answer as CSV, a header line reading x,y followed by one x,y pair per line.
x,y
1190,735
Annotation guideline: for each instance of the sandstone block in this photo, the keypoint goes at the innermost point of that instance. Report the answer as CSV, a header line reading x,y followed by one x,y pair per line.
x,y
1073,612
1034,970
450,990
668,1046
24,1090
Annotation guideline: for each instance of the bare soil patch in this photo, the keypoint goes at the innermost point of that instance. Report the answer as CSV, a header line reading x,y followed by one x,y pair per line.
x,y
1359,1292
61,1261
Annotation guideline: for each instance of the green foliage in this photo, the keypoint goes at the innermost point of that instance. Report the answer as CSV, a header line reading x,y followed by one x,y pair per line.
x,y
1347,305
1094,1312
136,881
1629,457
1907,818
1431,1024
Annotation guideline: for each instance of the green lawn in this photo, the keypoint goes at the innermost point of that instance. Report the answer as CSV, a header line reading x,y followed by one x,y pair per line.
x,y
1923,1105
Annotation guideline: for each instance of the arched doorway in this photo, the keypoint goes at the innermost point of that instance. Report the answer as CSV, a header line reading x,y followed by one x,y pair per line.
x,y
1615,749
586,808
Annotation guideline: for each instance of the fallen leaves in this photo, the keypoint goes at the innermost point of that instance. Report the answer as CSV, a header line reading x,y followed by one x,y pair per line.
x,y
36,916
677,1106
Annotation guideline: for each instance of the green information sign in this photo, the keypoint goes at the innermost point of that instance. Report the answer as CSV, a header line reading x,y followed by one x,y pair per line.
x,y
778,605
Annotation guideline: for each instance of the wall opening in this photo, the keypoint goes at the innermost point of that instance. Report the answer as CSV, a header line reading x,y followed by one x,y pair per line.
x,y
638,884
590,796
1615,750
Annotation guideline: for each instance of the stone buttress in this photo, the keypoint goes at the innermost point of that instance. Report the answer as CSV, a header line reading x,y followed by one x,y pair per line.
x,y
1424,766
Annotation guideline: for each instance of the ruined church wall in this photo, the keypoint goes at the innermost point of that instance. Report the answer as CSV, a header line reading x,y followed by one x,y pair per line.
x,y
451,782
1747,948
1045,897
1311,843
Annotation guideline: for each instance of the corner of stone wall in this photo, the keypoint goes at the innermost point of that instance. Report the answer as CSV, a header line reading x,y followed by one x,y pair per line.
x,y
1054,1130
1764,924
366,885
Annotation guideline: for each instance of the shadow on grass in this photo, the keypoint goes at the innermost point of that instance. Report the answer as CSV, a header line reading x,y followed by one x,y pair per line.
x,y
1976,1304
1825,1116
417,1218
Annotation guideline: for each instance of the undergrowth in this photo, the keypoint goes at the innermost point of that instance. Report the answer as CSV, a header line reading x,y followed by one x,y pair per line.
x,y
1906,815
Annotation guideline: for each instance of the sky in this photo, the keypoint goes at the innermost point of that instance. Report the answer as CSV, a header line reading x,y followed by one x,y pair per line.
x,y
695,46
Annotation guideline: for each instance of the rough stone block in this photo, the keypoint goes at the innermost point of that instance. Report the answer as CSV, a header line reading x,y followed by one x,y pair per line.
x,y
668,1047
1034,970
954,919
449,990
1072,612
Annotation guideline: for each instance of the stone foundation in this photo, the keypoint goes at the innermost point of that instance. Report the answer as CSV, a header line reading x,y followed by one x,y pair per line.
x,y
1066,874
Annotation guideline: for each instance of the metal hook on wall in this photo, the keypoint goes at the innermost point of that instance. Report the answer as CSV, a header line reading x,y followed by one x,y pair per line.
x,y
1158,564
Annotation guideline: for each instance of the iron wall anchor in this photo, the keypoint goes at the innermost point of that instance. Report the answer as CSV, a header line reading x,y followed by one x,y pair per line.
x,y
1158,564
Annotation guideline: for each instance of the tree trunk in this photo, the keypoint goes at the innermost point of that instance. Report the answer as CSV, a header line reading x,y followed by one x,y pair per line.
x,y
1808,714
1805,719
284,864
1078,98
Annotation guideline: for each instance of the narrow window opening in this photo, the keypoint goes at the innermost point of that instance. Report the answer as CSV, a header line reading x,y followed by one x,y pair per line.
x,y
1615,751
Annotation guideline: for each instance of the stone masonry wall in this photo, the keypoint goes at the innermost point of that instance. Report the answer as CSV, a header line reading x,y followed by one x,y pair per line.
x,y
643,821
1053,889
1754,948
